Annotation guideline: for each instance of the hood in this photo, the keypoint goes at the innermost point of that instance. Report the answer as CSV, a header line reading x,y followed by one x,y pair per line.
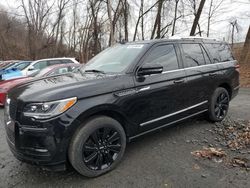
x,y
8,84
68,85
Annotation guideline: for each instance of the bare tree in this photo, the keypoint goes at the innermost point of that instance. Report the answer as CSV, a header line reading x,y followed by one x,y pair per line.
x,y
113,18
157,24
141,15
197,17
214,7
37,15
125,7
235,27
175,16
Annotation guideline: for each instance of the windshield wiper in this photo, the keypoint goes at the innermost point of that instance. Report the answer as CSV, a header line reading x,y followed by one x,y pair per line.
x,y
95,71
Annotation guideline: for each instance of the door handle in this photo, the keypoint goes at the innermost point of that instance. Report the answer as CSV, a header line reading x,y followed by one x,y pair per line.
x,y
179,81
212,74
144,89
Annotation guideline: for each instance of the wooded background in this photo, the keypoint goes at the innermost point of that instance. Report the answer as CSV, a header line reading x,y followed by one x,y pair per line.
x,y
82,28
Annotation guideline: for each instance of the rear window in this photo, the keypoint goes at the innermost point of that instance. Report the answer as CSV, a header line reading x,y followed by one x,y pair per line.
x,y
194,55
220,52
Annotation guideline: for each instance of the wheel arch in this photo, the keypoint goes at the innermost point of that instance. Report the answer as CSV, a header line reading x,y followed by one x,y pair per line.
x,y
228,88
110,111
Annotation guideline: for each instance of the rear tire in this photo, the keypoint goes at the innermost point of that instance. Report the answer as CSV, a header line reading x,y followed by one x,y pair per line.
x,y
97,147
219,105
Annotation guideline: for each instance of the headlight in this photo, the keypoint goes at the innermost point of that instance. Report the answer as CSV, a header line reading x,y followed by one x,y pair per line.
x,y
48,109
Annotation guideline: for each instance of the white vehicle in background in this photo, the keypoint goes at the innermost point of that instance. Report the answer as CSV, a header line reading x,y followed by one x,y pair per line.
x,y
42,63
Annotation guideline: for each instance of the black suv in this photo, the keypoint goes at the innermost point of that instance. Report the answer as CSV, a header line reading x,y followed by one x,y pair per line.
x,y
86,118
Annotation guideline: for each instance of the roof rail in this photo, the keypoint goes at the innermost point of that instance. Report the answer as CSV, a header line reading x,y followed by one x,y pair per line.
x,y
191,37
194,37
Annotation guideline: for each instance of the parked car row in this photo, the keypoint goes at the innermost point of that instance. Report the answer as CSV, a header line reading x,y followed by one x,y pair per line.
x,y
15,69
15,73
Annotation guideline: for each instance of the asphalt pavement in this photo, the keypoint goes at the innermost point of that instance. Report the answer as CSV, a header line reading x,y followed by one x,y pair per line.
x,y
159,159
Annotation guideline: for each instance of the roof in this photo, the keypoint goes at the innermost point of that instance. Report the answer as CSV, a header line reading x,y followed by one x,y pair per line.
x,y
57,58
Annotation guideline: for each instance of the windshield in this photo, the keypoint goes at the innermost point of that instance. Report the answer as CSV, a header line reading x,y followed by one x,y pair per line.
x,y
22,65
114,59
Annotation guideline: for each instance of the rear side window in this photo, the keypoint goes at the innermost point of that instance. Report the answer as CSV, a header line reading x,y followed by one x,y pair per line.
x,y
164,55
220,52
55,62
194,55
65,61
40,65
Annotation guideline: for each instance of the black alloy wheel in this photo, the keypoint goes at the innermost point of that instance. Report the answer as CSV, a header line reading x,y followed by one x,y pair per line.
x,y
97,146
218,105
101,148
221,105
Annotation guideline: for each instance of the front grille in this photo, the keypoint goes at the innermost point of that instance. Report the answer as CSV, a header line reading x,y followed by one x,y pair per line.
x,y
13,109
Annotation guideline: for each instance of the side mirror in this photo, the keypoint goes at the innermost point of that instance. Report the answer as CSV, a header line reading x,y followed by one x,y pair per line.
x,y
150,69
31,68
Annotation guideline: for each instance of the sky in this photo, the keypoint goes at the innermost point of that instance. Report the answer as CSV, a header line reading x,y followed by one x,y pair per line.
x,y
230,10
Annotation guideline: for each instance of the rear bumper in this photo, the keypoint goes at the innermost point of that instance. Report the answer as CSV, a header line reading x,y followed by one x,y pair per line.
x,y
235,92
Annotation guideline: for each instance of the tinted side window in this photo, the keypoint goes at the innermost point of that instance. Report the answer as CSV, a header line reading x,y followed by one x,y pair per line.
x,y
55,62
220,52
67,61
193,55
40,65
164,55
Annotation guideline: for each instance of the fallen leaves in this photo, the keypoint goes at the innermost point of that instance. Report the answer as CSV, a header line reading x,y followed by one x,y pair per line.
x,y
235,133
231,134
209,153
216,154
241,162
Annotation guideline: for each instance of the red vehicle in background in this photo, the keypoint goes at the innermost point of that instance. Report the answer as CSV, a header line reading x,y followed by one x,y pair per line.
x,y
6,85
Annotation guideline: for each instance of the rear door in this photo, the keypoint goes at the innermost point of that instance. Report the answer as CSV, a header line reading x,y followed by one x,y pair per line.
x,y
160,96
201,75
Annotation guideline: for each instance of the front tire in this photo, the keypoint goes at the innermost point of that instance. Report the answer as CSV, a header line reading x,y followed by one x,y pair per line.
x,y
97,147
219,105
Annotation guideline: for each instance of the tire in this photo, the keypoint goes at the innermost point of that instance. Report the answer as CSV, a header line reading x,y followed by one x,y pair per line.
x,y
88,156
219,104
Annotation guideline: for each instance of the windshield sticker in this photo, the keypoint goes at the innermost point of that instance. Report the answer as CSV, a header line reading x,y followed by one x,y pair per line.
x,y
135,46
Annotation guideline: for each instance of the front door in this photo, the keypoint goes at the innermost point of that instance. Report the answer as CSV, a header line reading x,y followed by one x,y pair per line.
x,y
160,96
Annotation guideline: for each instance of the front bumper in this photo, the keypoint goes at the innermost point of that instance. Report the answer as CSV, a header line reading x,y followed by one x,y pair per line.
x,y
35,146
43,143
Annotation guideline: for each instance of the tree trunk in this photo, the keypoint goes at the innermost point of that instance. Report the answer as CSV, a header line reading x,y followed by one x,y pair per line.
x,y
175,16
245,53
209,17
111,35
142,20
197,17
157,24
126,20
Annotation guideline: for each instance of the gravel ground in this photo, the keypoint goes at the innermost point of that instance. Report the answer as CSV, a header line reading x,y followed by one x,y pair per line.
x,y
160,159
